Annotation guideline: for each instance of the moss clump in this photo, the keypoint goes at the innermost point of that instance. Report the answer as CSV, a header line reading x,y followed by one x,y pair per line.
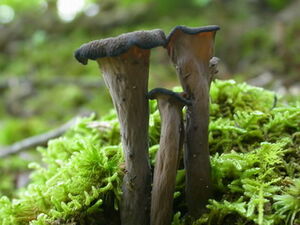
x,y
254,143
82,178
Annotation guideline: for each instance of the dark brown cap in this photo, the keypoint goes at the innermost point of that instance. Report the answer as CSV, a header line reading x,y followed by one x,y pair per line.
x,y
156,92
115,46
189,30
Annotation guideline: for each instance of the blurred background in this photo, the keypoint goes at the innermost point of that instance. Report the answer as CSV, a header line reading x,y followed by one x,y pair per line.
x,y
42,86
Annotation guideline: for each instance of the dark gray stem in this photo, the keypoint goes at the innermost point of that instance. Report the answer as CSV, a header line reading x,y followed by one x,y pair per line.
x,y
126,76
166,161
191,54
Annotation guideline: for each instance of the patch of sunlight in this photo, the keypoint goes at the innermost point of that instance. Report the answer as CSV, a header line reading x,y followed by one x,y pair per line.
x,y
68,9
92,9
7,14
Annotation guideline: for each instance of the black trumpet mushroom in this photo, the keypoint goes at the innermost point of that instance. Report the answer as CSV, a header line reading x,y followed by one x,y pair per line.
x,y
124,62
191,51
170,106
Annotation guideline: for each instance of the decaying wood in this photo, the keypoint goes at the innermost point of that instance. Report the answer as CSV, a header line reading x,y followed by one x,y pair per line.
x,y
191,54
166,161
126,76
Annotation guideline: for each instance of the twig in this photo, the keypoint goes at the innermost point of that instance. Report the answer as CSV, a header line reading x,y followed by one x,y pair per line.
x,y
100,125
38,140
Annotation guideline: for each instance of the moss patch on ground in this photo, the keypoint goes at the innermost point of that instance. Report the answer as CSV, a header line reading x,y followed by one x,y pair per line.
x,y
254,143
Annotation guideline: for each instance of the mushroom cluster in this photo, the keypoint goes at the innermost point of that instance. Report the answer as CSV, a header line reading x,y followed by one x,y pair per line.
x,y
124,61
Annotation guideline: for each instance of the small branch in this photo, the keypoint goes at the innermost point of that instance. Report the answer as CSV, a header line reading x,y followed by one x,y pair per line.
x,y
100,125
38,140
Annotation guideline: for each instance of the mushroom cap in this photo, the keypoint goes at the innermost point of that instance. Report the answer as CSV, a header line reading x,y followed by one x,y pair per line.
x,y
190,30
156,92
116,46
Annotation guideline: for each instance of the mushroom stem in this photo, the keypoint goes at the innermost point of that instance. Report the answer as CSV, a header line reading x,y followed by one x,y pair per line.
x,y
126,76
124,61
191,49
170,106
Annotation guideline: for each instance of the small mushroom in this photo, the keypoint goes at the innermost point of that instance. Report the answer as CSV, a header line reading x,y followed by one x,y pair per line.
x,y
191,50
170,106
124,61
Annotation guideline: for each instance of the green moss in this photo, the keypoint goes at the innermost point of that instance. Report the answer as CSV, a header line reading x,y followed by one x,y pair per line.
x,y
254,143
